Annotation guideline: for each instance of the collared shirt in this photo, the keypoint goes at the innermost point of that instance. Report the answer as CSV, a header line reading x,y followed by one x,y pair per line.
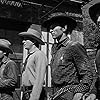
x,y
35,72
56,46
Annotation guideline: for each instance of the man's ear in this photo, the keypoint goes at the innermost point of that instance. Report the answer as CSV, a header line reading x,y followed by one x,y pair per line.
x,y
65,28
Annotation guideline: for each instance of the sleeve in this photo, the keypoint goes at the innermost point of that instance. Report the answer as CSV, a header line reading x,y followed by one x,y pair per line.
x,y
9,76
41,64
83,67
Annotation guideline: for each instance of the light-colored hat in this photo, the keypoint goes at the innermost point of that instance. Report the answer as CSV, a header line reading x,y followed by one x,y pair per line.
x,y
33,33
5,46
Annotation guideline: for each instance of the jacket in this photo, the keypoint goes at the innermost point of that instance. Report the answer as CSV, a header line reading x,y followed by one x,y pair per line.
x,y
8,79
70,66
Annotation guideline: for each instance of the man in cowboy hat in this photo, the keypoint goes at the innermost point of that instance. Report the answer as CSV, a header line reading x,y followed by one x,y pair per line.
x,y
35,64
70,67
8,71
94,12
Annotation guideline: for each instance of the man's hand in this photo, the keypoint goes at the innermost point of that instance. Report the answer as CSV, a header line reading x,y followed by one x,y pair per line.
x,y
77,96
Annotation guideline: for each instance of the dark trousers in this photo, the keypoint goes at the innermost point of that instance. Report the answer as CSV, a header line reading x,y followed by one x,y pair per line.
x,y
43,95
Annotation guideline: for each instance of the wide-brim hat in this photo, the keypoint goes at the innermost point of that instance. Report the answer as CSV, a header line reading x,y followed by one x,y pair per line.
x,y
5,46
33,33
61,19
93,11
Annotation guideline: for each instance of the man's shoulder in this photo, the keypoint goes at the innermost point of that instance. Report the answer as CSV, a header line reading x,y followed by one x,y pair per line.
x,y
77,44
8,60
40,53
72,44
11,61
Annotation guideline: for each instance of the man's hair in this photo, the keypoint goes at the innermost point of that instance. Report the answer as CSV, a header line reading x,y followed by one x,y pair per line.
x,y
54,25
6,54
68,30
36,44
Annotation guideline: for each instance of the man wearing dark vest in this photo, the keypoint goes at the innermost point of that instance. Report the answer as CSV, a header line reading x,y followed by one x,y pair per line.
x,y
35,64
8,71
70,66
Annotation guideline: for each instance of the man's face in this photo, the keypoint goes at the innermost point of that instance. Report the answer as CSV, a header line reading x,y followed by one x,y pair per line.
x,y
27,44
1,54
56,32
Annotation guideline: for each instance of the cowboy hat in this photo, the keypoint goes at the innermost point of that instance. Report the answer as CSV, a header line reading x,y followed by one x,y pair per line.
x,y
61,19
5,46
33,33
94,11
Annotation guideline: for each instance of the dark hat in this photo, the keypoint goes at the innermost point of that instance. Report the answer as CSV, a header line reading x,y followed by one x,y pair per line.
x,y
61,19
5,46
94,11
33,33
